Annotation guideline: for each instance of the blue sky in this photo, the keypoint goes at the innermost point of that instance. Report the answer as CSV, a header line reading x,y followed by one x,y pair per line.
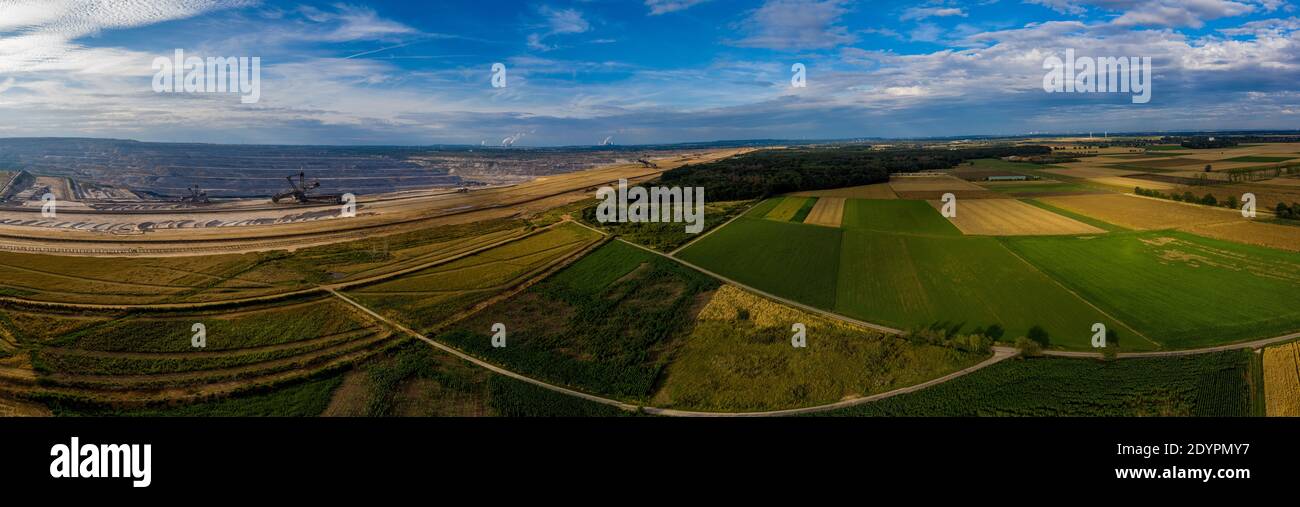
x,y
639,71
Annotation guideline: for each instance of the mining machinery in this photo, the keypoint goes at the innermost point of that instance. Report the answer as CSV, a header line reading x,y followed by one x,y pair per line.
x,y
300,192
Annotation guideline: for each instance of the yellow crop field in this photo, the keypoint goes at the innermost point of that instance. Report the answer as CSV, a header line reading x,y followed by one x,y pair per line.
x,y
786,210
1010,217
1282,380
1142,213
875,191
1282,237
829,211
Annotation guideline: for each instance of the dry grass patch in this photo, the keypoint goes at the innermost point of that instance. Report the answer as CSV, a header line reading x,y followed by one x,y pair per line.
x,y
1282,380
1282,237
1010,217
1142,213
829,211
931,183
1129,183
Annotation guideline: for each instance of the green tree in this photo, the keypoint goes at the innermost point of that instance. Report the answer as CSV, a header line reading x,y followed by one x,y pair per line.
x,y
1028,348
1039,336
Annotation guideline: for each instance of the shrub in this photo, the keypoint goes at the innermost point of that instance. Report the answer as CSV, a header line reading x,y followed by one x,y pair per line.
x,y
1028,348
1040,336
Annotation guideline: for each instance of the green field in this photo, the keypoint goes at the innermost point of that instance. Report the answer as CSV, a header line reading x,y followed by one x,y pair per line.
x,y
919,273
1178,289
802,214
1216,384
606,324
1257,158
797,261
789,207
411,379
965,283
896,216
424,298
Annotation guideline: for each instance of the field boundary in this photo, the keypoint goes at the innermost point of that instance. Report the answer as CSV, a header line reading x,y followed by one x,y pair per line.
x,y
1262,342
710,231
283,295
1076,294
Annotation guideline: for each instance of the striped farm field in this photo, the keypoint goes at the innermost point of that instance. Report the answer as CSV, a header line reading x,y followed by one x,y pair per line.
x,y
965,282
1180,290
152,355
829,211
1282,380
1142,213
787,208
792,260
899,263
1010,217
427,297
897,216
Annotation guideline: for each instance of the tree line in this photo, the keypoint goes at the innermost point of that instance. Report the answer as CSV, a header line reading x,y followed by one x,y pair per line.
x,y
771,172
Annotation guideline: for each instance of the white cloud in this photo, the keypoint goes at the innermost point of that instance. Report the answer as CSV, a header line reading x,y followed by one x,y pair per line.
x,y
42,33
355,23
557,22
931,12
1168,13
658,7
796,24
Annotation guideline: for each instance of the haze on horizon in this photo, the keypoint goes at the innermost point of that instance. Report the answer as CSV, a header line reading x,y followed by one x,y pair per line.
x,y
644,72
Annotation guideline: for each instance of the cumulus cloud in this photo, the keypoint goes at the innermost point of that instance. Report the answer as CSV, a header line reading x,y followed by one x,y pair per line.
x,y
1166,13
796,24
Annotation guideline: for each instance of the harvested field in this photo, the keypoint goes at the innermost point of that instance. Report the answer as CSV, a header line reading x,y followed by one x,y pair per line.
x,y
1282,380
931,183
876,191
1164,163
1083,170
1268,194
425,298
1010,217
829,211
1143,213
1129,182
1284,237
1290,181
